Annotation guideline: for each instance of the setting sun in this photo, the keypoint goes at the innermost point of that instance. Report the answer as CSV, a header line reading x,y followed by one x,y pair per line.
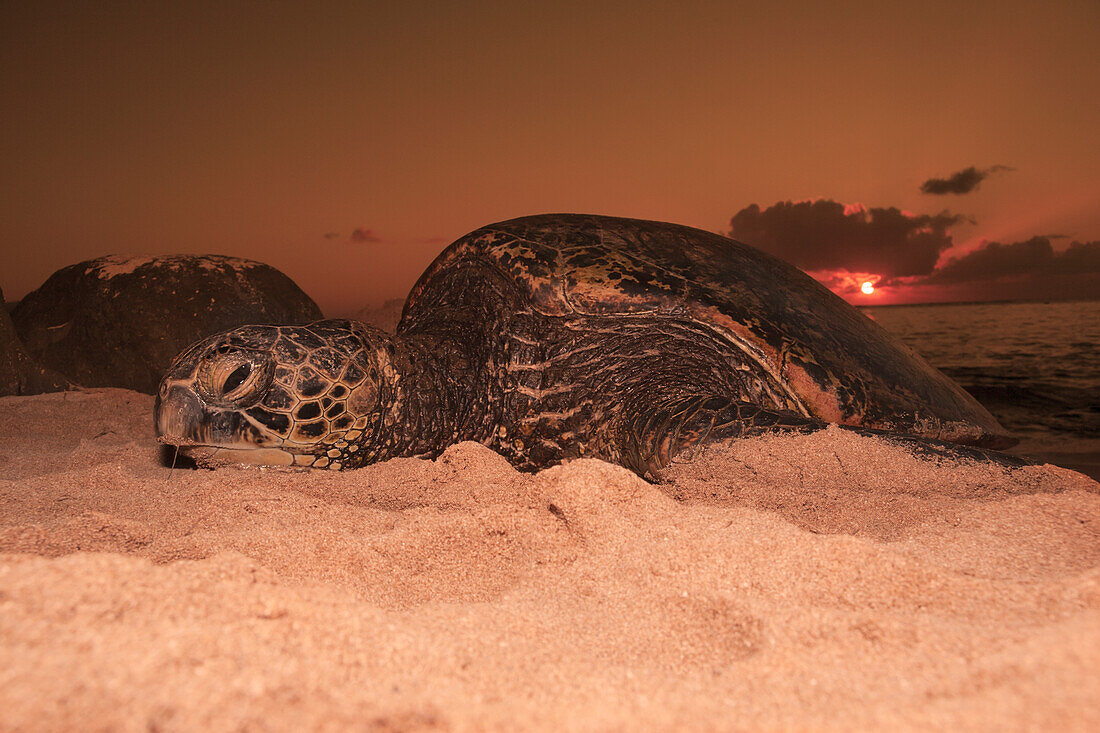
x,y
868,287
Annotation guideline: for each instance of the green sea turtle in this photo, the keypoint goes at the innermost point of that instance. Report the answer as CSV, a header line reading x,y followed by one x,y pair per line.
x,y
561,336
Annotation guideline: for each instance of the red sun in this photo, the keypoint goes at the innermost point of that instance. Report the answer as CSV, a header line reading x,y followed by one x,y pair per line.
x,y
867,287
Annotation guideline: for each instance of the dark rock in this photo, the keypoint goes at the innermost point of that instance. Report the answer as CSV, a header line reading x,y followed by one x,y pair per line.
x,y
119,321
19,373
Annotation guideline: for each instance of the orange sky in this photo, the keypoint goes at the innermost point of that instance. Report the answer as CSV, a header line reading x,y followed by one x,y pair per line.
x,y
255,131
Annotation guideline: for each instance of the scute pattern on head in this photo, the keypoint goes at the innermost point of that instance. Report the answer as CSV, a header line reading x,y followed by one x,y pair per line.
x,y
319,403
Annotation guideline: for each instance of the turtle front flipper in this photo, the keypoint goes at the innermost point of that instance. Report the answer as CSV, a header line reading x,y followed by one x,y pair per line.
x,y
678,426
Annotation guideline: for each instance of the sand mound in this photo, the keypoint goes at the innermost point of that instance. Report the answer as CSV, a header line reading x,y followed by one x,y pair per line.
x,y
826,581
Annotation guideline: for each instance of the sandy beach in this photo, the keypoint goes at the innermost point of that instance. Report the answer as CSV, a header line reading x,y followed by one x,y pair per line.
x,y
634,230
824,582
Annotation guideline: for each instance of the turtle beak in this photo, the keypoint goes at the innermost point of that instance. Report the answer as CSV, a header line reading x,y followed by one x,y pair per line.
x,y
209,437
179,415
183,419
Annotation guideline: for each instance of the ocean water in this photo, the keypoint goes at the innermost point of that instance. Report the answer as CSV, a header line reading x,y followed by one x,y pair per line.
x,y
1035,366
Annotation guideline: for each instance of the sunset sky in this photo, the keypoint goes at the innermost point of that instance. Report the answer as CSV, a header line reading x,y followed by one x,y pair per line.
x,y
277,131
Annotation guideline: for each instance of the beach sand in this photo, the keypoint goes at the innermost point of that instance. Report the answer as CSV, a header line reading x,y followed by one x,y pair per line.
x,y
828,581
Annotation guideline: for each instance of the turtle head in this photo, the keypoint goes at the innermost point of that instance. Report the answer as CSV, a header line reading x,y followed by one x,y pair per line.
x,y
278,395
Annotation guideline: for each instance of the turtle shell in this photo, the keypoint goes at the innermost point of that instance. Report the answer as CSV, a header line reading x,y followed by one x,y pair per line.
x,y
840,366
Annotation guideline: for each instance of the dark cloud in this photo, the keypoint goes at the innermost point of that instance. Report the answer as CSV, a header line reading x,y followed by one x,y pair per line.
x,y
1031,259
1028,270
828,235
364,236
962,182
844,245
1080,257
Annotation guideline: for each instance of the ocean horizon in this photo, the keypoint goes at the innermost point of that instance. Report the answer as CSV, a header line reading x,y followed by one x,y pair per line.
x,y
1034,364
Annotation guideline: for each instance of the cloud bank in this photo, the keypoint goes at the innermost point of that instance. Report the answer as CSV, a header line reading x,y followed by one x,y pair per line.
x,y
1035,257
827,235
844,245
962,182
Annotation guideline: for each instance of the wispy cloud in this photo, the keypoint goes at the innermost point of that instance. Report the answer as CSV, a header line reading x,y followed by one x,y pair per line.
x,y
364,236
961,182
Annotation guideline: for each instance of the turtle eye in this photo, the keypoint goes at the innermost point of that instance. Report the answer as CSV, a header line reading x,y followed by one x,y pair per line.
x,y
236,378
